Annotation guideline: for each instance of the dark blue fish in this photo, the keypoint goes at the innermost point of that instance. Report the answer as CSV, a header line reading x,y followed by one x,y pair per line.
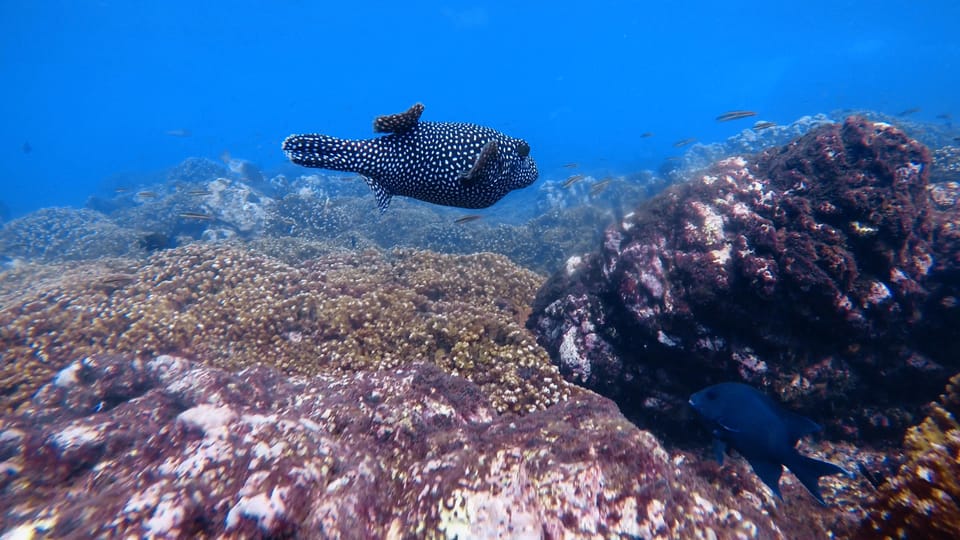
x,y
453,164
763,432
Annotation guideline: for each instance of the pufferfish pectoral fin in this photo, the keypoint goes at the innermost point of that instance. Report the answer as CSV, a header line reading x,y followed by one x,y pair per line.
x,y
383,196
481,167
400,122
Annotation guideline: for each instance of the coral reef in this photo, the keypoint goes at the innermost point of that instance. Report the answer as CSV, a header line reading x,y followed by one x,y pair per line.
x,y
343,311
196,170
540,244
190,210
923,499
64,234
946,165
748,141
808,270
237,204
116,446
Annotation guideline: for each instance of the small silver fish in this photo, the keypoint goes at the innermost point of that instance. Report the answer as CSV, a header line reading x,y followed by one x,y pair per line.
x,y
467,219
196,215
735,115
599,187
572,180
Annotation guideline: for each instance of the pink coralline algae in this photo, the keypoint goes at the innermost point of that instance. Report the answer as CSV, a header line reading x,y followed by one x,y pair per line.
x,y
817,271
117,447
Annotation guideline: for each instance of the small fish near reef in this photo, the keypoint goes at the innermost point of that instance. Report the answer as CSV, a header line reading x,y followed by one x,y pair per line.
x,y
763,432
467,219
196,216
599,187
573,179
683,142
451,164
735,115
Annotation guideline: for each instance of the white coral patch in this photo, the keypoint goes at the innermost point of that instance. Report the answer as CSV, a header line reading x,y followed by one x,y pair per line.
x,y
704,507
166,366
861,229
199,459
570,354
212,420
721,256
655,515
67,376
143,500
166,518
878,293
736,161
265,510
664,339
75,436
573,264
712,222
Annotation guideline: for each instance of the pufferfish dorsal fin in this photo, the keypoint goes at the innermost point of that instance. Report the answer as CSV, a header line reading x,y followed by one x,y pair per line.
x,y
400,122
486,159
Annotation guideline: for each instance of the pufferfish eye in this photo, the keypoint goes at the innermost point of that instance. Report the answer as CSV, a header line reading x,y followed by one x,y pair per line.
x,y
523,149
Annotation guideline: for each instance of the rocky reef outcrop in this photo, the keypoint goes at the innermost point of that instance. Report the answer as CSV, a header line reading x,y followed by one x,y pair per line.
x,y
818,271
164,447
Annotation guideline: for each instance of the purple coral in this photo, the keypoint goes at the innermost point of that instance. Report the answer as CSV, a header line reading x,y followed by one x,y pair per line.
x,y
114,446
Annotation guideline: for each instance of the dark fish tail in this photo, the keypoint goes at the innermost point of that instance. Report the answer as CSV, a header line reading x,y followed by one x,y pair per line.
x,y
325,152
809,471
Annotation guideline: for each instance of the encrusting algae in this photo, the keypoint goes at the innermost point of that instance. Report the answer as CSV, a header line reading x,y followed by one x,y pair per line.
x,y
234,308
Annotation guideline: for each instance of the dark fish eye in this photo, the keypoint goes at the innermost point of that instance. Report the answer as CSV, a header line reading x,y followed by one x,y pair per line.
x,y
711,395
523,149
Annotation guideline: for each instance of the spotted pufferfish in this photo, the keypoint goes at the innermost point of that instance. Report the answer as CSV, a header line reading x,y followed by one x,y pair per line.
x,y
446,163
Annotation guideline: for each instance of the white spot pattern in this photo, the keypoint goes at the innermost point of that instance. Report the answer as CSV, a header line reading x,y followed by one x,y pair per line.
x,y
426,162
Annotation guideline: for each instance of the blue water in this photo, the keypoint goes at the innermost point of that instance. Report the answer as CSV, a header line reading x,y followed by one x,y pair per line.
x,y
93,87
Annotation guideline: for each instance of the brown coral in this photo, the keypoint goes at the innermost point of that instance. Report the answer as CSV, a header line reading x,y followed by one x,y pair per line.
x,y
923,499
234,308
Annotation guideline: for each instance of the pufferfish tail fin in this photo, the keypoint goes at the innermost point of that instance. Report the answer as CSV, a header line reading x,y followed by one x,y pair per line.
x,y
324,152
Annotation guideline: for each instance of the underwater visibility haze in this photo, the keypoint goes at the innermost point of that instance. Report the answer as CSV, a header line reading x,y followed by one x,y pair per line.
x,y
97,89
473,270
